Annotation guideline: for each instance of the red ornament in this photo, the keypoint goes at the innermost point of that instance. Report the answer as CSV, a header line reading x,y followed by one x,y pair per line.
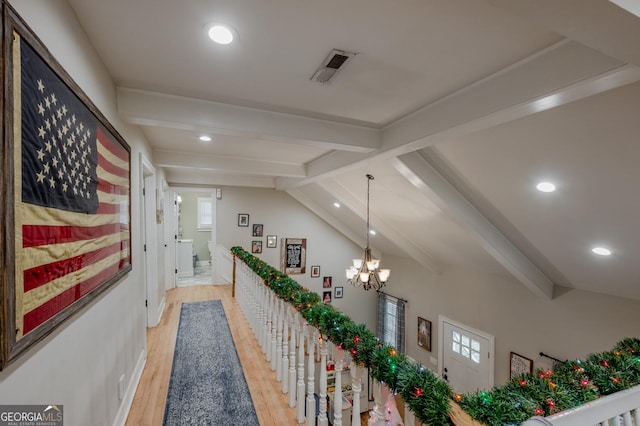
x,y
539,411
584,383
550,402
356,339
418,392
353,351
605,363
616,380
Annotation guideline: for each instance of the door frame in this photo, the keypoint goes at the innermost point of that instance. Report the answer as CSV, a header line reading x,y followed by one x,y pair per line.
x,y
492,345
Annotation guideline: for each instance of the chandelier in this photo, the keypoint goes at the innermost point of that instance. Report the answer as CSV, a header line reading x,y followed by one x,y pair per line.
x,y
365,272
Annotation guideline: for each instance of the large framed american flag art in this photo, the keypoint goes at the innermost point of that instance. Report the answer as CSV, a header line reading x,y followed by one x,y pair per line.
x,y
66,233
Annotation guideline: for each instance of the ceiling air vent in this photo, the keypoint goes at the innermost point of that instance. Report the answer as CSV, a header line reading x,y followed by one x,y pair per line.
x,y
332,63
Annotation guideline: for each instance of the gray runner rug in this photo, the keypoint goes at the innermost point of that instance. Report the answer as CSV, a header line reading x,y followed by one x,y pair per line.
x,y
207,385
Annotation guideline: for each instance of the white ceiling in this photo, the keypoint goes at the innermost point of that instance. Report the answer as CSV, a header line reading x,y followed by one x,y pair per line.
x,y
457,107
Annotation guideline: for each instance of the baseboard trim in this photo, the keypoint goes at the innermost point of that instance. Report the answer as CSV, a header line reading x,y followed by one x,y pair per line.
x,y
125,407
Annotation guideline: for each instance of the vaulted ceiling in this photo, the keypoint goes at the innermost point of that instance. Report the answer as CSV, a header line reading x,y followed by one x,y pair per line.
x,y
457,107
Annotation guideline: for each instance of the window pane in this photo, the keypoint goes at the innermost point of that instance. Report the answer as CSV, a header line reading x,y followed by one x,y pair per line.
x,y
455,336
465,351
475,357
465,341
475,345
456,347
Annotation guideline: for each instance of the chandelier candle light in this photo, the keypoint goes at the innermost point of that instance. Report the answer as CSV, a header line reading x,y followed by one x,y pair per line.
x,y
365,272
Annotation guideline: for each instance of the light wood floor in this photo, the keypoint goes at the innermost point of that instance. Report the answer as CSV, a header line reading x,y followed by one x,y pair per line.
x,y
148,405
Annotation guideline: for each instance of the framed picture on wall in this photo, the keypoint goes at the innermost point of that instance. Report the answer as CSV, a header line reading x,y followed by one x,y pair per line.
x,y
519,364
257,229
338,292
424,333
272,241
326,282
315,271
293,255
256,246
243,219
326,297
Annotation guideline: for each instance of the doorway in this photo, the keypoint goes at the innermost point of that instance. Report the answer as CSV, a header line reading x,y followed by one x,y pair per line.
x,y
466,356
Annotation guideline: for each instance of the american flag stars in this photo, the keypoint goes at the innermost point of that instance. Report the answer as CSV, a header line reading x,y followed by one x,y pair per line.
x,y
63,153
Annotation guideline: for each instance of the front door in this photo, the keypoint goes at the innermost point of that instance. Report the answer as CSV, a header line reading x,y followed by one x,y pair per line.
x,y
467,357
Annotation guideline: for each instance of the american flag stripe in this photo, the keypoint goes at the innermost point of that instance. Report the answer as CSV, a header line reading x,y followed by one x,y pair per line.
x,y
112,189
39,315
33,235
109,198
35,214
112,168
114,149
111,179
43,274
43,255
38,296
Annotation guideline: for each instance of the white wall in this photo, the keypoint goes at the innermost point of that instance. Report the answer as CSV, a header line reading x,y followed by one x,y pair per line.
x,y
283,216
79,364
189,223
572,325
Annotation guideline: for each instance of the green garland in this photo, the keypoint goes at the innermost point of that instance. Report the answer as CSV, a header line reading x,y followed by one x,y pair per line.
x,y
542,393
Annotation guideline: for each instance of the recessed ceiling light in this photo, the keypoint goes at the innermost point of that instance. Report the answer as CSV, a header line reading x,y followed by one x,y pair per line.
x,y
372,232
221,34
602,251
205,138
546,187
336,205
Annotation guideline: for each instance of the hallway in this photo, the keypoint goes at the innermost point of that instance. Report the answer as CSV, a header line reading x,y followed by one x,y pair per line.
x,y
149,402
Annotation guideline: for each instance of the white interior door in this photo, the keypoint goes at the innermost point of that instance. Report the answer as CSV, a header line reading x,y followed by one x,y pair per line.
x,y
467,357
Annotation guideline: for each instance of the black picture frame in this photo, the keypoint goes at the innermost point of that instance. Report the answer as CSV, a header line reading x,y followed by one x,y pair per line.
x,y
272,241
258,229
326,297
326,282
243,220
338,292
315,271
256,246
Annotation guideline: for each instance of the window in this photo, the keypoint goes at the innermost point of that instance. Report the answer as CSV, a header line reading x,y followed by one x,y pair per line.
x,y
465,346
205,214
390,326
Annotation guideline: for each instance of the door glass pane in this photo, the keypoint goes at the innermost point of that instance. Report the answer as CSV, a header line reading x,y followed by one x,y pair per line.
x,y
456,347
465,340
475,345
475,357
455,336
465,351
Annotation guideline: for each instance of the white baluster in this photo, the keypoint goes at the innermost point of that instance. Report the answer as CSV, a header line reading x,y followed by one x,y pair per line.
x,y
377,397
323,420
292,361
285,348
409,417
277,360
300,392
274,326
627,418
263,313
311,401
356,386
636,416
267,348
337,400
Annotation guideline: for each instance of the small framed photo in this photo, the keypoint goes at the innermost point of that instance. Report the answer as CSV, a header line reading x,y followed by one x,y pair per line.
x,y
326,282
243,219
326,297
424,333
272,241
338,292
256,246
315,271
519,364
257,230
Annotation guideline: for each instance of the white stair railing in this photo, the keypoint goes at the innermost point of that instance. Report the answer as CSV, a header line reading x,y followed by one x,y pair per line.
x,y
618,409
